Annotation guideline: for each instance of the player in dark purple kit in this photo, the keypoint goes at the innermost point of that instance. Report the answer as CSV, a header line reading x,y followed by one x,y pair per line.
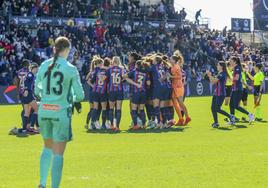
x,y
219,93
100,82
167,109
138,100
29,98
159,93
237,89
116,92
19,82
25,84
90,94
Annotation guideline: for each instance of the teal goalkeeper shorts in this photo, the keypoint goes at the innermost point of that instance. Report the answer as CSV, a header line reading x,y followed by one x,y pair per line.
x,y
55,125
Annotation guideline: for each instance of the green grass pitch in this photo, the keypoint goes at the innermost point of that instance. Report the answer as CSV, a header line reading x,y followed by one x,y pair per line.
x,y
197,156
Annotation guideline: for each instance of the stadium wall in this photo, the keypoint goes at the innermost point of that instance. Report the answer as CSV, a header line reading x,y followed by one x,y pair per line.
x,y
8,94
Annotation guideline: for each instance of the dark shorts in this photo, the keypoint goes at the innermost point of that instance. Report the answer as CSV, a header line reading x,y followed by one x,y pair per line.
x,y
90,96
116,96
139,98
28,99
244,95
149,94
228,91
98,97
162,93
257,90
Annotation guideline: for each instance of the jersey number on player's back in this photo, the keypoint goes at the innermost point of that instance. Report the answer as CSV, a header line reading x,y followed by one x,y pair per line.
x,y
58,87
140,79
116,78
101,79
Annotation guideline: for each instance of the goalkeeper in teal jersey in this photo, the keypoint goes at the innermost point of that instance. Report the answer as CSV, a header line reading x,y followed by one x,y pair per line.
x,y
58,85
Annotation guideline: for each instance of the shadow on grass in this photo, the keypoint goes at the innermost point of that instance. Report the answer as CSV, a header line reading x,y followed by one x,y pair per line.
x,y
224,129
230,128
22,135
155,130
143,131
240,126
103,131
262,121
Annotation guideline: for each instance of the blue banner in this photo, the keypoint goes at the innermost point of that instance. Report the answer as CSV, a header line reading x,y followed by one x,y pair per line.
x,y
241,25
53,21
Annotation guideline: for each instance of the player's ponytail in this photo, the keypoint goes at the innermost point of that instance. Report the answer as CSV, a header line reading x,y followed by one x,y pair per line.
x,y
56,55
61,44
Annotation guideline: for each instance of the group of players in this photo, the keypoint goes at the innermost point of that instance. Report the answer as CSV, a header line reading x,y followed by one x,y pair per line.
x,y
233,83
25,87
156,84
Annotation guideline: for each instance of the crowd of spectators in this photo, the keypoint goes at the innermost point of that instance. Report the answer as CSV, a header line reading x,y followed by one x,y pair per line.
x,y
61,8
201,48
89,8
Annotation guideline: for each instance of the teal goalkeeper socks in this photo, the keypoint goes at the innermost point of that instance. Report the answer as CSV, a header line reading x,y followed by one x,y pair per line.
x,y
44,165
56,170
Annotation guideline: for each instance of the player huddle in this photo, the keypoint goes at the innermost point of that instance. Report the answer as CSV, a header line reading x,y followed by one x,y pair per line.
x,y
156,86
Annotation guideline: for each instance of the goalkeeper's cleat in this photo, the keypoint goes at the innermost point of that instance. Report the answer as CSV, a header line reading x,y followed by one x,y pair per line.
x,y
41,186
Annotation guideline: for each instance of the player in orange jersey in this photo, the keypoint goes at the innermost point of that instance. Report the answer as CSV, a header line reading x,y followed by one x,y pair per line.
x,y
178,89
